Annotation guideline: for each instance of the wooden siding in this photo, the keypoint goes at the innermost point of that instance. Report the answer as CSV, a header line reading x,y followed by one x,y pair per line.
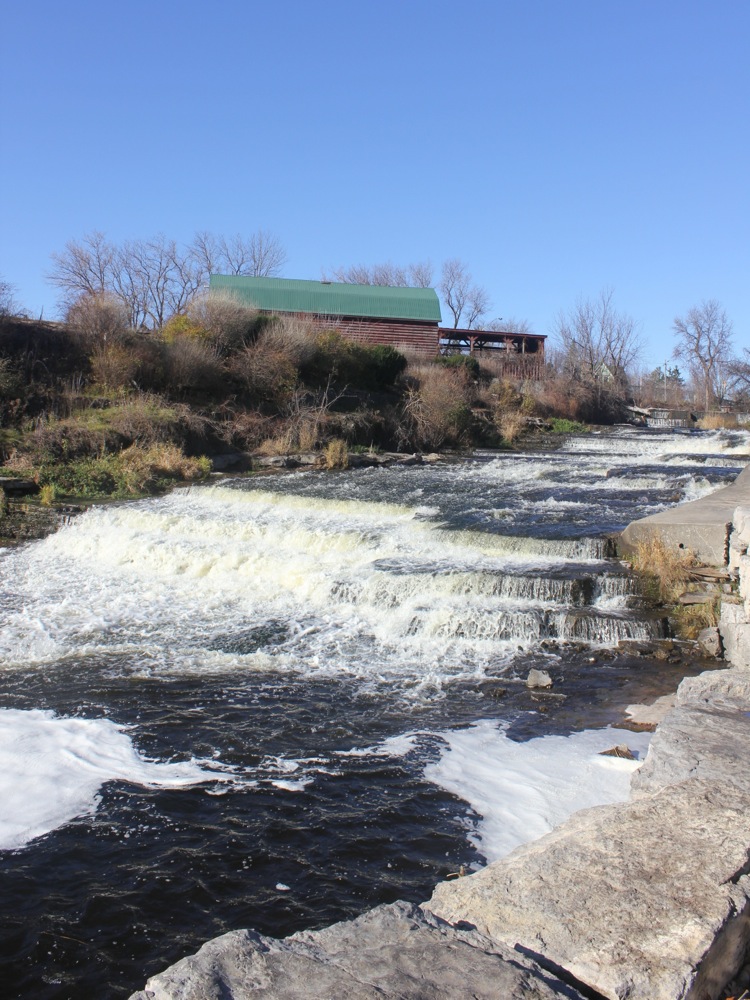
x,y
524,368
421,338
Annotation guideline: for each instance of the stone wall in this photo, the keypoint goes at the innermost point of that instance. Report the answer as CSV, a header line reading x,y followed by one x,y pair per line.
x,y
735,614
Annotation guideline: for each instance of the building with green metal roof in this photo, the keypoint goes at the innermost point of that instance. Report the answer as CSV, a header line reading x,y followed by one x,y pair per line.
x,y
406,318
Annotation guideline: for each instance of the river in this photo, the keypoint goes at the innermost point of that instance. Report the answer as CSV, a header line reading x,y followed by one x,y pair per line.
x,y
276,702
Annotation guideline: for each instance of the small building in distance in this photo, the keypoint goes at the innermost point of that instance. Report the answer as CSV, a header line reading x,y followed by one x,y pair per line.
x,y
401,317
405,318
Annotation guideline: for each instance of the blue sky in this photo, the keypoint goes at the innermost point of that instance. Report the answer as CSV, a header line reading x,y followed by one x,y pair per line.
x,y
557,146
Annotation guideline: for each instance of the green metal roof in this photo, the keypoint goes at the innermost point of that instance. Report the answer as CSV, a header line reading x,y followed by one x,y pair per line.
x,y
328,298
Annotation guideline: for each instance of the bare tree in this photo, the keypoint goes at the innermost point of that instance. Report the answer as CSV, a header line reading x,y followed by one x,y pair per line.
x,y
8,304
260,255
464,299
155,279
267,256
418,275
739,375
704,344
205,253
597,348
84,268
511,325
594,337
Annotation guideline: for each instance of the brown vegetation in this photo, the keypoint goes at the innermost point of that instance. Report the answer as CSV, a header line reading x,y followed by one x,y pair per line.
x,y
94,408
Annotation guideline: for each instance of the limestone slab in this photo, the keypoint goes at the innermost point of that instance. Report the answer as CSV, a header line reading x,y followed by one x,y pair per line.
x,y
394,952
644,901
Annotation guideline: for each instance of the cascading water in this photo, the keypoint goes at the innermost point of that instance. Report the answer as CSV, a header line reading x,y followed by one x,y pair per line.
x,y
244,704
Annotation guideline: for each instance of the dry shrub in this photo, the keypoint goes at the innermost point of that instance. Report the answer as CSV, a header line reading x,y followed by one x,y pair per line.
x,y
56,441
511,423
224,320
191,363
269,373
308,433
149,419
336,454
143,467
438,408
292,336
528,403
505,395
279,444
664,570
560,397
114,367
98,318
47,494
691,619
297,434
179,326
11,384
246,429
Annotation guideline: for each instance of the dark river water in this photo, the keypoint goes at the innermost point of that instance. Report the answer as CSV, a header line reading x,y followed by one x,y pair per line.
x,y
278,702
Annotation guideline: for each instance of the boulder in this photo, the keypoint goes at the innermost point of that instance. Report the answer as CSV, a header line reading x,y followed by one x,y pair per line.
x,y
538,679
709,641
394,952
650,715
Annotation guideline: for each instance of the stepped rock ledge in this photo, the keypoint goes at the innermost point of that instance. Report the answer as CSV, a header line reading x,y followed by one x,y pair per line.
x,y
647,900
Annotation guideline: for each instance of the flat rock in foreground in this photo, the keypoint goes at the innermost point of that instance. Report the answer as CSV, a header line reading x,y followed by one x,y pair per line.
x,y
649,900
394,952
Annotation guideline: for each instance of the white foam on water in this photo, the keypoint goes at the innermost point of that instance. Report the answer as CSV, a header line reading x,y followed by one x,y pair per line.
x,y
334,586
159,578
521,791
394,746
52,770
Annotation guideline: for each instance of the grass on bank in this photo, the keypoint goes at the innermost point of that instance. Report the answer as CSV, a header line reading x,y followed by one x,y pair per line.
x,y
663,571
664,575
136,471
561,425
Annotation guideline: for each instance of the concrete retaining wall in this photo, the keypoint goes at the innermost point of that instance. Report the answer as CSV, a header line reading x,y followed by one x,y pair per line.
x,y
703,526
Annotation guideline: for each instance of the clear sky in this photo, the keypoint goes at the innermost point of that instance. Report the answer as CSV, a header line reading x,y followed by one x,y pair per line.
x,y
557,146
